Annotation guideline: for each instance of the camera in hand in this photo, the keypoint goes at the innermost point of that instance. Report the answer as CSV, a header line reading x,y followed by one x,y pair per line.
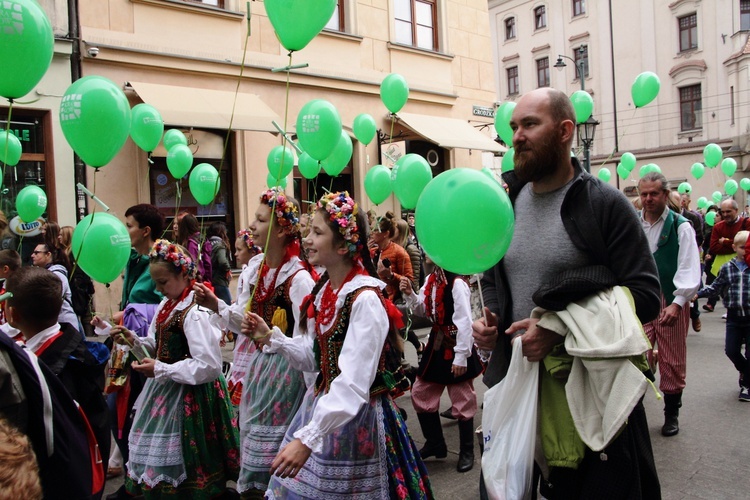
x,y
386,262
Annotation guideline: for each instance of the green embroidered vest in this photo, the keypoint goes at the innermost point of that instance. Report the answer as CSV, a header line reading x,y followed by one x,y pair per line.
x,y
667,252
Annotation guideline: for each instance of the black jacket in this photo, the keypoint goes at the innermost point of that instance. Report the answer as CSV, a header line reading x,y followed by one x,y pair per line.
x,y
603,224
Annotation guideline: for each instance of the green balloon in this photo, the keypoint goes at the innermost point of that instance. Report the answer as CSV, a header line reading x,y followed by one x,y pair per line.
x,y
697,170
271,181
703,203
712,154
318,128
394,92
655,168
684,188
10,148
604,174
204,183
95,119
364,128
583,104
308,166
340,156
179,160
711,218
412,176
27,45
280,162
729,166
508,163
378,184
716,196
622,172
627,160
503,114
31,203
645,88
730,187
745,184
173,137
645,169
146,127
478,240
101,246
297,22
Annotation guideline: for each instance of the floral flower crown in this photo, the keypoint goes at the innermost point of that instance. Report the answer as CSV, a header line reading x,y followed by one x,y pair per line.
x,y
247,238
342,210
287,215
169,252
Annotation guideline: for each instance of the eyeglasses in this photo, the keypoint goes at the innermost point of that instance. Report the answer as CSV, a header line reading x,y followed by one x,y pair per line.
x,y
35,252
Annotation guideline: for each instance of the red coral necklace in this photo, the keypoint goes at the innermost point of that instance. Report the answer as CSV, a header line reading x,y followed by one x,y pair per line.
x,y
264,293
435,311
328,300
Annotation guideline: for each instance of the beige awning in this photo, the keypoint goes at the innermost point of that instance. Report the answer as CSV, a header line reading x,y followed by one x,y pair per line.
x,y
204,108
449,132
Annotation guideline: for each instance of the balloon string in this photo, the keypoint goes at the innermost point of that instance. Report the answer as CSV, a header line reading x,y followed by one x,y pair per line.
x,y
5,155
286,117
622,136
393,122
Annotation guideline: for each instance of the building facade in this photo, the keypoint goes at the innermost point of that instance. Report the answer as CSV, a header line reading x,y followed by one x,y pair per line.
x,y
698,48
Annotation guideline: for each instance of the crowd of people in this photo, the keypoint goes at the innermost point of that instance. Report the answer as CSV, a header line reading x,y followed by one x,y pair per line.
x,y
324,304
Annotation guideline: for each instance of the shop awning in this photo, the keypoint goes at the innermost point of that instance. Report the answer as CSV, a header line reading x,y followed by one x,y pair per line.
x,y
204,108
449,132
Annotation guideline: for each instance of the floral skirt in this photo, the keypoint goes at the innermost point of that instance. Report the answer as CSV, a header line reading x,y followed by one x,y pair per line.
x,y
272,393
243,351
183,442
372,456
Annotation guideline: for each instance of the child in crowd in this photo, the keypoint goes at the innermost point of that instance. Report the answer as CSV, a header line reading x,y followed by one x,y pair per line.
x,y
733,285
182,443
221,262
187,232
274,285
19,472
10,261
348,439
450,361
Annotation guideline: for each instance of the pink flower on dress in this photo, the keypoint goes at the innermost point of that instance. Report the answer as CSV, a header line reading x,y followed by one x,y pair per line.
x,y
401,491
366,448
399,475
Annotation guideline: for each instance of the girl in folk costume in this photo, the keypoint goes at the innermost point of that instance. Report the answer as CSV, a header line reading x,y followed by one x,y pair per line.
x,y
275,284
450,360
182,443
348,439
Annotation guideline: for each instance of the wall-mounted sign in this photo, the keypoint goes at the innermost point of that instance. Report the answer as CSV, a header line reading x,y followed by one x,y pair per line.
x,y
485,111
26,228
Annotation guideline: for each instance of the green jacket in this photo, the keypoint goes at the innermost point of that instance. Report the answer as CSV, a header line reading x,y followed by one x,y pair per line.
x,y
138,287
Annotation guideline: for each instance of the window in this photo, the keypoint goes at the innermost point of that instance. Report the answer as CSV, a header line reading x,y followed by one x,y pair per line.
x,y
510,28
337,19
213,3
582,56
579,7
542,72
540,17
416,23
745,14
690,107
512,80
688,32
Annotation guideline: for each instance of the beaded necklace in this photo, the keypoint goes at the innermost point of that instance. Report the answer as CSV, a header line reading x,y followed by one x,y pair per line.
x,y
328,300
436,311
264,292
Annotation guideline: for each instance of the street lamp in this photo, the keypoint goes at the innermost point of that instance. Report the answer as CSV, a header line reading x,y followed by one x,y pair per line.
x,y
586,132
579,65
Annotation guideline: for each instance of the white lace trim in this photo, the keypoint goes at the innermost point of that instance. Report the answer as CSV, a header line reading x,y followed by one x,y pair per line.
x,y
312,437
161,478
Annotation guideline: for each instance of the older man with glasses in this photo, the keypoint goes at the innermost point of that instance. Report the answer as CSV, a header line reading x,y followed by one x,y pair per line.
x,y
722,237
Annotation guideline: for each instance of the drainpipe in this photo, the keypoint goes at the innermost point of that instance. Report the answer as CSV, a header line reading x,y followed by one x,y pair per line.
x,y
614,86
79,169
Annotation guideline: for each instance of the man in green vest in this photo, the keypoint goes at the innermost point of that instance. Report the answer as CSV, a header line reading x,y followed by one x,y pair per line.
x,y
672,241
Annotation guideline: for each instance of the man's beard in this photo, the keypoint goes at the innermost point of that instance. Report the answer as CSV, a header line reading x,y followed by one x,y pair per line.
x,y
538,161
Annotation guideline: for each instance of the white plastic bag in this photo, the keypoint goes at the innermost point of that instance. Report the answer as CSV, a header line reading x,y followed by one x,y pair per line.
x,y
509,426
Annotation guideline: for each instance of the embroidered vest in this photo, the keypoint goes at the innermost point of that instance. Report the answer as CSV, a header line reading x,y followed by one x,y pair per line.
x,y
171,343
667,252
279,300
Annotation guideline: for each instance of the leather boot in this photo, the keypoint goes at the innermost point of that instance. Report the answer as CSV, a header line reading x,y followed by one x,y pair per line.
x,y
434,445
672,404
466,453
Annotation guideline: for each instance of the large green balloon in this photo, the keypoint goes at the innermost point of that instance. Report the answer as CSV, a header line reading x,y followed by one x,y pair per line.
x,y
508,160
280,162
730,187
622,172
340,156
712,154
27,45
146,126
697,170
645,88
364,128
272,181
309,167
745,184
297,22
31,203
716,196
645,169
10,148
703,203
204,183
318,128
479,235
627,160
95,119
378,184
711,218
101,246
604,174
179,160
173,137
412,176
583,105
684,188
394,92
729,166
503,114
